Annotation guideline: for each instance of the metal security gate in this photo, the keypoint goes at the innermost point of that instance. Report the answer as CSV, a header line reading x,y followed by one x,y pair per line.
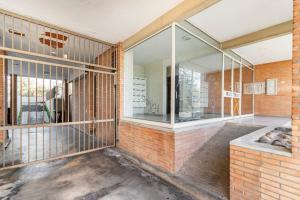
x,y
57,92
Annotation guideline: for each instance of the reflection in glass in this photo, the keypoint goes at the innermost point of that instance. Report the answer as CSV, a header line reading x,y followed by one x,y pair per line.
x,y
147,80
247,93
198,79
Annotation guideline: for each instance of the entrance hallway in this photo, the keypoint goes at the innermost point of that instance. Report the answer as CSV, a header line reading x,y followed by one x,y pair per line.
x,y
98,175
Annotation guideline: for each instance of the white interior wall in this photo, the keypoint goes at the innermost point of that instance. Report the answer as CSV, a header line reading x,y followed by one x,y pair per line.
x,y
128,88
154,73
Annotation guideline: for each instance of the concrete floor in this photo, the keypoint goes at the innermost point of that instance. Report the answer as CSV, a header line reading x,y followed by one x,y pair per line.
x,y
42,143
97,175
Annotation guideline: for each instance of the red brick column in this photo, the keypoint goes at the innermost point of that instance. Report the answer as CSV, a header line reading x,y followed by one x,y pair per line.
x,y
120,75
296,80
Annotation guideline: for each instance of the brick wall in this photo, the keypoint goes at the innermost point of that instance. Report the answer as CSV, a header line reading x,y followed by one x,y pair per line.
x,y
296,80
279,105
153,146
161,148
260,175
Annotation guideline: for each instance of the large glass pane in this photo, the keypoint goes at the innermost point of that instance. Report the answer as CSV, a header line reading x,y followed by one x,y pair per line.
x,y
236,89
227,86
198,79
247,94
147,79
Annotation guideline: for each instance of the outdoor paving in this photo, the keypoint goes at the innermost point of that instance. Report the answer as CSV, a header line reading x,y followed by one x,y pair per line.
x,y
97,175
208,168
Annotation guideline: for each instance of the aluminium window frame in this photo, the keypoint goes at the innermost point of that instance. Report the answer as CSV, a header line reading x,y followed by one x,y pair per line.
x,y
172,124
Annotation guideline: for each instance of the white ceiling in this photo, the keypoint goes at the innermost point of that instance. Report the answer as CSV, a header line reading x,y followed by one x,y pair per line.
x,y
272,50
229,19
111,21
189,50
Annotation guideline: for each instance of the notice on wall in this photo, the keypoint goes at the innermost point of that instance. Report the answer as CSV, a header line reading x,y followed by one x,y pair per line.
x,y
254,88
139,92
230,94
259,88
271,87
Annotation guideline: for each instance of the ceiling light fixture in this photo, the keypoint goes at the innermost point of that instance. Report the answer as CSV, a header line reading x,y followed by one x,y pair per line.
x,y
186,38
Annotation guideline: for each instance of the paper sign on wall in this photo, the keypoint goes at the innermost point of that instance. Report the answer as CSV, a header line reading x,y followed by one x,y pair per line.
x,y
271,87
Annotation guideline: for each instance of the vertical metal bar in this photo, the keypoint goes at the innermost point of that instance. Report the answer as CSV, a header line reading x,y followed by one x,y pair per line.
x,y
79,96
44,32
28,153
12,89
232,77
43,112
69,49
29,37
50,120
89,51
21,108
50,39
102,109
3,33
4,112
63,44
36,122
240,90
110,131
84,113
89,111
173,63
74,48
56,90
98,108
21,37
37,33
79,40
222,87
106,116
62,108
68,110
74,111
56,43
253,96
94,57
12,33
93,107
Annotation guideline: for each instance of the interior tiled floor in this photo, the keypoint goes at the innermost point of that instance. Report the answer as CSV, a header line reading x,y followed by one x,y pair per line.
x,y
264,121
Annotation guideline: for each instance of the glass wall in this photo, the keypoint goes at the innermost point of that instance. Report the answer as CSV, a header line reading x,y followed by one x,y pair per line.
x,y
248,90
147,79
227,86
207,83
198,78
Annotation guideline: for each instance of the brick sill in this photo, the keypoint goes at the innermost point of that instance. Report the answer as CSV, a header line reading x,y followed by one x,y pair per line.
x,y
249,142
181,127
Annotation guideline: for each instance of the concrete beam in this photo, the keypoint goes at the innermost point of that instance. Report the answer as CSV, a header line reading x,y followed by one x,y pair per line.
x,y
264,34
180,12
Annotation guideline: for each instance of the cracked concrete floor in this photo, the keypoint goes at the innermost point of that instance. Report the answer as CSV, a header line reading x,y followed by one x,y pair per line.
x,y
98,175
